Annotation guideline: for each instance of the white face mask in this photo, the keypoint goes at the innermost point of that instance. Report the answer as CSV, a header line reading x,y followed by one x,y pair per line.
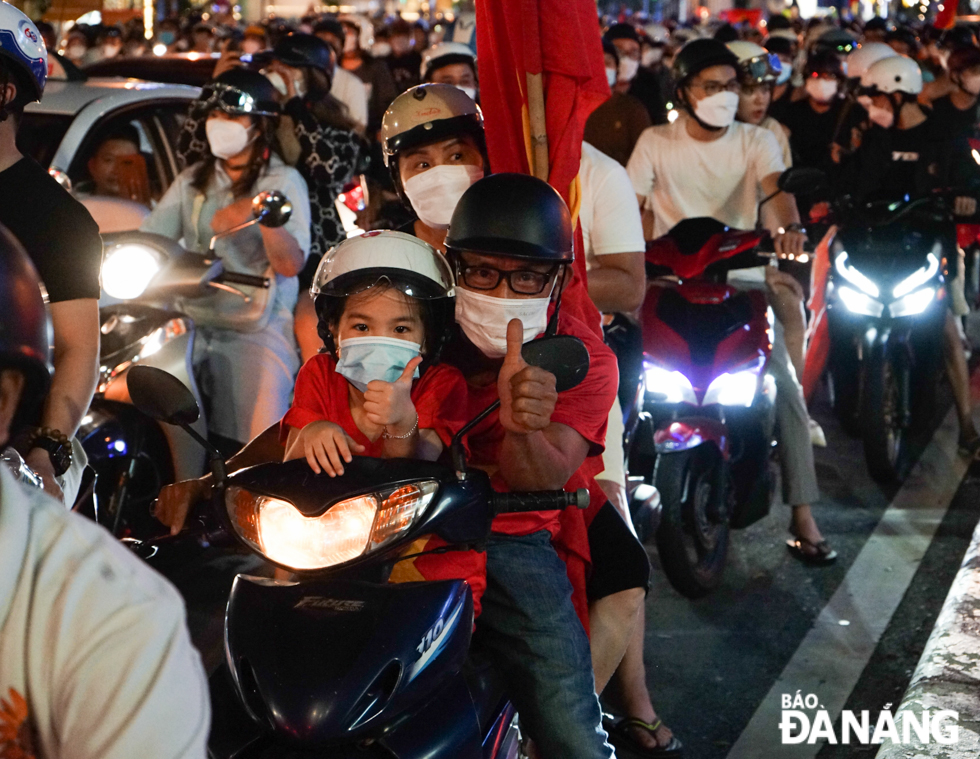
x,y
821,90
111,51
652,56
785,72
226,138
484,319
883,117
611,77
279,83
75,52
628,68
470,91
380,49
717,110
435,193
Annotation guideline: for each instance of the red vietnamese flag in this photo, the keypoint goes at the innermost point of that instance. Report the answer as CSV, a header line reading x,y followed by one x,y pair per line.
x,y
560,40
946,14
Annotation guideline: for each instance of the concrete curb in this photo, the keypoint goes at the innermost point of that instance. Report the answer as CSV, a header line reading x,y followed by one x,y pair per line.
x,y
948,673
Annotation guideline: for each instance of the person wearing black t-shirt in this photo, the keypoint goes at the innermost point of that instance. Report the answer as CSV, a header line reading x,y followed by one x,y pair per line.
x,y
63,241
957,113
907,153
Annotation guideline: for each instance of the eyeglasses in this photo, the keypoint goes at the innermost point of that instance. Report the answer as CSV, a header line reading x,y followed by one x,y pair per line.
x,y
713,88
231,100
521,281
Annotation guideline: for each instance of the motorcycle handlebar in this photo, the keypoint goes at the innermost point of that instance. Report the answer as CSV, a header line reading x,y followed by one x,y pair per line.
x,y
544,500
230,277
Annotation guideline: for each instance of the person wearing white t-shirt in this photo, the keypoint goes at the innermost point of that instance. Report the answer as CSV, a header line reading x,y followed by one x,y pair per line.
x,y
95,658
352,92
612,233
708,164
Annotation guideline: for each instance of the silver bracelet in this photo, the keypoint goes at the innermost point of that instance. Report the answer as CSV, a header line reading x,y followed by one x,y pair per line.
x,y
387,436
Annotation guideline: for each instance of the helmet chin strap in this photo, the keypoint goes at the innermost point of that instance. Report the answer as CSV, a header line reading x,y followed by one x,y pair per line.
x,y
552,328
4,81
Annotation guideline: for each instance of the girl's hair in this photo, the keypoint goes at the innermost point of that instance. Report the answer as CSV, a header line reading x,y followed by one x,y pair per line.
x,y
437,320
262,148
325,107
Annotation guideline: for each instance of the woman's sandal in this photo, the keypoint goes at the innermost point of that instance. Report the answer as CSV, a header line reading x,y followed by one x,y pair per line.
x,y
819,555
621,737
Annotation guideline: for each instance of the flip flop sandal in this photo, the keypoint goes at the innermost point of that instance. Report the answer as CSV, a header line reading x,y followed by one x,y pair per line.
x,y
621,737
819,555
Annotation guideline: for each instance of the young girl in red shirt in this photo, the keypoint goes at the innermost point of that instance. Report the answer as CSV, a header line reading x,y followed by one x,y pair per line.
x,y
384,309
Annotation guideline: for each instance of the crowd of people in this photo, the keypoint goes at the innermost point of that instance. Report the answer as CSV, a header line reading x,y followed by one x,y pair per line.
x,y
385,344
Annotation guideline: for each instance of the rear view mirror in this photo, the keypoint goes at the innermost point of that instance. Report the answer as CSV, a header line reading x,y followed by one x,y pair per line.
x,y
802,180
271,208
563,355
161,396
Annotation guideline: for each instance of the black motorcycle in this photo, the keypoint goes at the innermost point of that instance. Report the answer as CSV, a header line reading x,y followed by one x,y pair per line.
x,y
337,662
886,308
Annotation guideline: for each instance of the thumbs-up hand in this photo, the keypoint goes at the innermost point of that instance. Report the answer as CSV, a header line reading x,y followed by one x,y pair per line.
x,y
527,393
389,404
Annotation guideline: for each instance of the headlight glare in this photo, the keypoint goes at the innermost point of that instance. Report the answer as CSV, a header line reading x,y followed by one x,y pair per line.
x,y
735,389
278,530
917,278
914,303
670,387
859,303
855,277
128,270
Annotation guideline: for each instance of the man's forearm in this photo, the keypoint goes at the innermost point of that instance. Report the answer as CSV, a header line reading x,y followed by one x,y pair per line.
x,y
615,291
76,373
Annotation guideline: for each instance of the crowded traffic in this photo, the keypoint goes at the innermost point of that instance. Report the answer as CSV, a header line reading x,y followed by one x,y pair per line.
x,y
547,380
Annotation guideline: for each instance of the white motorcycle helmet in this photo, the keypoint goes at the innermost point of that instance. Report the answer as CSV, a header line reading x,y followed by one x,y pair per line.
x,y
21,45
894,74
396,259
657,34
866,56
756,65
445,54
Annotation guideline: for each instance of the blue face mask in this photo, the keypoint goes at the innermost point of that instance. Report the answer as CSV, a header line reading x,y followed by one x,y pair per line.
x,y
363,359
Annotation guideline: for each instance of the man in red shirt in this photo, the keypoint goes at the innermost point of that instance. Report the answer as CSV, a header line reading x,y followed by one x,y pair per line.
x,y
510,242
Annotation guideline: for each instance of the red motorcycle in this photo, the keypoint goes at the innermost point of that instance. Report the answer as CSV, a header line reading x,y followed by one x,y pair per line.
x,y
706,397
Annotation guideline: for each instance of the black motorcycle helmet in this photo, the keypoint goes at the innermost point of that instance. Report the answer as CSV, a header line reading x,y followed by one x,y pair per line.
x,y
513,215
24,329
698,55
304,51
240,92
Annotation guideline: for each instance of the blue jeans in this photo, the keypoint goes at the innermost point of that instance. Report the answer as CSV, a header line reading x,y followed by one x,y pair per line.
x,y
530,630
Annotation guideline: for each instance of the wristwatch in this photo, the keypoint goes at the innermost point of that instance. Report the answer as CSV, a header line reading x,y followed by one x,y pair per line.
x,y
56,444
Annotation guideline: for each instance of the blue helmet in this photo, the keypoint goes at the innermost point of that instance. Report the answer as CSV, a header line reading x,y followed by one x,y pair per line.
x,y
21,43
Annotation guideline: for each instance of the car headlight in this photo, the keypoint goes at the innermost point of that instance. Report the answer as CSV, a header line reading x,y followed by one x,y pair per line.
x,y
672,387
917,278
128,270
859,303
734,389
914,303
855,277
346,530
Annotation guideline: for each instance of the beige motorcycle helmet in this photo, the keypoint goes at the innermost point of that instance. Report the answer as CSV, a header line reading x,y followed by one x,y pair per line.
x,y
424,114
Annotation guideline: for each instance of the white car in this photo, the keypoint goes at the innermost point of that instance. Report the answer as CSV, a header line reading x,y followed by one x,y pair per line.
x,y
63,130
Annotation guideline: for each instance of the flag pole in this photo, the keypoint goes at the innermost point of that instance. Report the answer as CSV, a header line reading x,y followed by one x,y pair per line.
x,y
538,124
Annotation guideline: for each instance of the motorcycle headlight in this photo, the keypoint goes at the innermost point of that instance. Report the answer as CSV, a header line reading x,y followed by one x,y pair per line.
x,y
914,303
855,277
346,530
917,278
128,270
672,387
859,303
735,388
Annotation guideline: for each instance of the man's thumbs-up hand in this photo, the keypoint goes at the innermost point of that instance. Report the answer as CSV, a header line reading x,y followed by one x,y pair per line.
x,y
527,393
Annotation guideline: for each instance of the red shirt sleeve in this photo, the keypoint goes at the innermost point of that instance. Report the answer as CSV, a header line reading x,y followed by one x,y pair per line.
x,y
311,395
440,397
